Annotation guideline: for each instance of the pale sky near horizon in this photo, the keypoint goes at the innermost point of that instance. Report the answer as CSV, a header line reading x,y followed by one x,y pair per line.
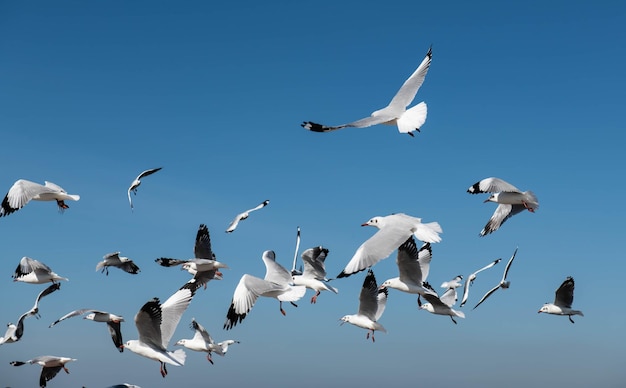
x,y
93,93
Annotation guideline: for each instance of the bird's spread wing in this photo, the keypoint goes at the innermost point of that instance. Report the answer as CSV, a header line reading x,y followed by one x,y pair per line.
x,y
148,172
28,265
491,185
19,195
409,89
72,314
233,225
376,248
362,123
259,206
368,298
245,296
173,308
508,266
275,272
408,265
449,297
202,247
116,334
295,254
130,267
564,295
201,332
487,295
313,259
167,262
502,213
48,373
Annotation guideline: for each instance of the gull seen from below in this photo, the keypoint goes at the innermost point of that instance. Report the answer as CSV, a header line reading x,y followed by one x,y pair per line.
x,y
509,198
245,215
156,324
115,260
441,305
137,182
203,342
372,302
14,332
413,267
50,366
563,299
314,274
113,323
470,280
504,284
395,113
393,231
277,284
24,191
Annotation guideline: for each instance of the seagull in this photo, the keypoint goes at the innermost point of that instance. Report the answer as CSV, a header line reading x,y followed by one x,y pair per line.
x,y
133,186
113,323
244,215
294,271
470,280
372,301
276,284
454,283
396,112
564,296
394,230
15,332
115,260
443,305
314,274
203,266
413,268
504,284
509,198
124,385
33,271
203,342
156,324
24,191
51,365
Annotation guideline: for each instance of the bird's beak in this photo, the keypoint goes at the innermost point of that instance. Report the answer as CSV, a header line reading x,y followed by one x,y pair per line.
x,y
365,224
486,200
538,311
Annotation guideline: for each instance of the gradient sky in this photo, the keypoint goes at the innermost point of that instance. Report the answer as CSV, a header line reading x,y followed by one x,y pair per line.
x,y
92,93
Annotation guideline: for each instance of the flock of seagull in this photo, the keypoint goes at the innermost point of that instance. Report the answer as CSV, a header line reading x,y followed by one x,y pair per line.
x,y
156,322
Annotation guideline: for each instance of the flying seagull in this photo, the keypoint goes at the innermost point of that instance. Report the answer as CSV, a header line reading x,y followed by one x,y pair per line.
x,y
115,260
504,284
276,284
15,331
372,302
203,342
470,280
396,112
509,198
24,191
137,182
113,323
393,231
50,366
413,267
156,324
204,266
563,298
244,215
314,274
441,305
33,271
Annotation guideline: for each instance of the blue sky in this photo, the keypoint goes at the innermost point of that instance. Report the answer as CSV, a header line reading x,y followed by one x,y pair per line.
x,y
92,93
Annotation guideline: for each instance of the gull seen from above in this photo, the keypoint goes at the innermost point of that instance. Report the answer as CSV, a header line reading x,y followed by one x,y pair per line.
x,y
35,272
115,260
50,366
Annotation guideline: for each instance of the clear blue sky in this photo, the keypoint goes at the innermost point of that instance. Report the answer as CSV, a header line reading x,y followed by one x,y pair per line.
x,y
92,93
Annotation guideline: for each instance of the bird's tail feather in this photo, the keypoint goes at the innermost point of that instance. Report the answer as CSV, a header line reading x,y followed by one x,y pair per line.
x,y
412,119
